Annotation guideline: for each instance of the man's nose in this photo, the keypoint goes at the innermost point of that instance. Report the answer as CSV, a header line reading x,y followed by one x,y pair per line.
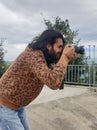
x,y
61,49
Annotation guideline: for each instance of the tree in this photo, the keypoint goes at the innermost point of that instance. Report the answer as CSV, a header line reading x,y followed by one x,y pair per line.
x,y
2,62
63,27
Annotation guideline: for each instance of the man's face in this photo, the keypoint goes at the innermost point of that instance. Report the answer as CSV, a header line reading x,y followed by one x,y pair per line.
x,y
55,51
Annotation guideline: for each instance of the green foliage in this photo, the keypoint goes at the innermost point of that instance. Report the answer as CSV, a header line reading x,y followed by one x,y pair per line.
x,y
63,27
2,62
80,60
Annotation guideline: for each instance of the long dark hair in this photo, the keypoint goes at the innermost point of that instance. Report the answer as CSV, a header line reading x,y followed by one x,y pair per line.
x,y
48,36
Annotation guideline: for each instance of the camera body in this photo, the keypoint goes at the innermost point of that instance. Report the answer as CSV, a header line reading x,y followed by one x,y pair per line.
x,y
79,49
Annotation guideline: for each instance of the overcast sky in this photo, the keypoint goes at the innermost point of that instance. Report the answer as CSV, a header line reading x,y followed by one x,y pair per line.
x,y
21,20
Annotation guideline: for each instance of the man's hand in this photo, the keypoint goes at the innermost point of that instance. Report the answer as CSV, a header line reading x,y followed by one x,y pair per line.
x,y
69,52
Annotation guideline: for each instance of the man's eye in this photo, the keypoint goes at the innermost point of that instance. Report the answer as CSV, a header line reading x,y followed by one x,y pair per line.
x,y
61,46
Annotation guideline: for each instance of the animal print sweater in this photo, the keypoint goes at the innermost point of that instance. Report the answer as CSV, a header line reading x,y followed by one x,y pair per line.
x,y
24,79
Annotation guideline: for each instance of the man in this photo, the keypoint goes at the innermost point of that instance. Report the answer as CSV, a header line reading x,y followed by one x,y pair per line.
x,y
44,61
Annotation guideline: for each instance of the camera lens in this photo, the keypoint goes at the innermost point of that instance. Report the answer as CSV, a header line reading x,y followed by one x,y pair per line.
x,y
79,50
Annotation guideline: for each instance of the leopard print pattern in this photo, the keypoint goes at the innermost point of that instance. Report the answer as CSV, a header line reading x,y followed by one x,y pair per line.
x,y
24,79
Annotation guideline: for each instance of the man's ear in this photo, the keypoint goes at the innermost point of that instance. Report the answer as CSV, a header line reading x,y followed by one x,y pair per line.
x,y
48,46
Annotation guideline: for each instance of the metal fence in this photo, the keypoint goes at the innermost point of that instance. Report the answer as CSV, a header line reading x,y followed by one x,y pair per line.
x,y
84,74
81,75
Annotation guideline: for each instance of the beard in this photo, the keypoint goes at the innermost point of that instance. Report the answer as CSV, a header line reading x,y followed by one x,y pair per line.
x,y
51,57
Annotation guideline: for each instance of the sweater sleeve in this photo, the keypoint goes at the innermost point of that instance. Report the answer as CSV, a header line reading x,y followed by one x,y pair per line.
x,y
51,77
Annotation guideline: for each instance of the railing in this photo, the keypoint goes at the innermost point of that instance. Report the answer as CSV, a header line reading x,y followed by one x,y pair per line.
x,y
81,75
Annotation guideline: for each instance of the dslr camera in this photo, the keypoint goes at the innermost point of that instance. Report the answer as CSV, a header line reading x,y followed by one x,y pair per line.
x,y
79,49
